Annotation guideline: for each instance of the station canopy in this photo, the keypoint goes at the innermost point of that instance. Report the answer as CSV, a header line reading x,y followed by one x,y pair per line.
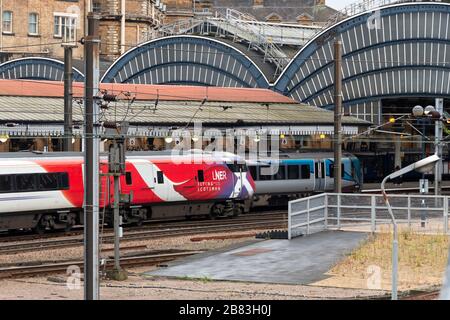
x,y
37,108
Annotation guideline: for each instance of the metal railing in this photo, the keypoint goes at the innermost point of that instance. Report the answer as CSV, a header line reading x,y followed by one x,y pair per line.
x,y
240,25
357,8
418,213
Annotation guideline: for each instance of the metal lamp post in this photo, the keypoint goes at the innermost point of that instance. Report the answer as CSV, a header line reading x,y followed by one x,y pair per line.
x,y
424,165
434,113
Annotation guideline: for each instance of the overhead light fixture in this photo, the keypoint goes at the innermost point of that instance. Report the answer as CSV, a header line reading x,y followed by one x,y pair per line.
x,y
392,120
257,139
429,110
168,139
282,136
195,138
418,111
322,136
4,138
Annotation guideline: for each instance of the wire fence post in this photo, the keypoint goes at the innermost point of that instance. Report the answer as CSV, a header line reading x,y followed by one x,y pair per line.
x,y
339,211
373,213
409,212
326,211
289,221
307,216
446,199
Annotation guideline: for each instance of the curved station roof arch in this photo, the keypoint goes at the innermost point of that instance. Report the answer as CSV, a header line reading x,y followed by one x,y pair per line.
x,y
400,50
36,68
186,60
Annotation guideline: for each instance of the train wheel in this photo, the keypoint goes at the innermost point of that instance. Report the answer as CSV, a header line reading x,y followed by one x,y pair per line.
x,y
216,211
238,210
71,221
39,229
139,222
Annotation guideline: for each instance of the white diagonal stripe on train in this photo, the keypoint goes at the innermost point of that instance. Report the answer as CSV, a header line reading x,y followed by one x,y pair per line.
x,y
145,169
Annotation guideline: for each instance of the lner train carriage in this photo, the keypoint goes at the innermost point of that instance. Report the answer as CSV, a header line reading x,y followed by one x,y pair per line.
x,y
299,175
46,191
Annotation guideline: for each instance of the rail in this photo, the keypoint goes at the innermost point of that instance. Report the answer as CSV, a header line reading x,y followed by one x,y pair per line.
x,y
419,213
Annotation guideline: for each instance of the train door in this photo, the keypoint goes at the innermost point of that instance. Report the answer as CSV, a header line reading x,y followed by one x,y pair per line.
x,y
161,186
329,175
146,170
320,175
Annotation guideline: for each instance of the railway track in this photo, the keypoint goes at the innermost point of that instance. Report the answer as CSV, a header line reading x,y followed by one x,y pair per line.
x,y
433,295
154,232
147,259
4,238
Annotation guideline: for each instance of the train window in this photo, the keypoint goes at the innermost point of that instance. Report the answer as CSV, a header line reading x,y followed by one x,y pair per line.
x,y
254,172
201,176
160,177
293,173
332,170
263,173
25,182
6,184
306,172
128,178
281,174
64,181
47,181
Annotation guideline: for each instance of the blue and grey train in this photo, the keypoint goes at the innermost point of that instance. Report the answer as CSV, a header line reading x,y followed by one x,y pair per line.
x,y
296,175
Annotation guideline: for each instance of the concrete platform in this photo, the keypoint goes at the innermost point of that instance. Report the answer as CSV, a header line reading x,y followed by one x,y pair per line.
x,y
303,260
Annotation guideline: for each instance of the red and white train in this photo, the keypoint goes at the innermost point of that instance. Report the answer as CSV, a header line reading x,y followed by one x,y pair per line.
x,y
46,191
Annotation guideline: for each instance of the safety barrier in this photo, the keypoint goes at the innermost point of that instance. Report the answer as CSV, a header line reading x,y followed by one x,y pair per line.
x,y
363,212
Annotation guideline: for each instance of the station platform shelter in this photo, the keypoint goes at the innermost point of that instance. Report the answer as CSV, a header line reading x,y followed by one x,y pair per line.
x,y
32,116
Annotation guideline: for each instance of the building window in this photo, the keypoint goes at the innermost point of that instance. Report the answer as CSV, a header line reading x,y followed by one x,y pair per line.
x,y
65,27
33,24
96,6
273,18
7,22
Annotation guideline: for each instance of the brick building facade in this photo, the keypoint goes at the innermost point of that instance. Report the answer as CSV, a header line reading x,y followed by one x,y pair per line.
x,y
142,19
36,27
276,11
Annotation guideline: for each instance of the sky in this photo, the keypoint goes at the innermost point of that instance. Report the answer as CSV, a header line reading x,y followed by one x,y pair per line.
x,y
340,4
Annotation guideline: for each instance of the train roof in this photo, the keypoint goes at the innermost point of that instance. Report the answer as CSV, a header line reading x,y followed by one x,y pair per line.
x,y
225,156
157,155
